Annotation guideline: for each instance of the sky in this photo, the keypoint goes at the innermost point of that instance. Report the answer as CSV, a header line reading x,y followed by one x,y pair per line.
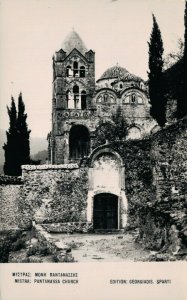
x,y
117,30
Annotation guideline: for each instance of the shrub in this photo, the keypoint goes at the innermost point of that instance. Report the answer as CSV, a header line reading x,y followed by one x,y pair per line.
x,y
18,245
32,250
4,250
43,249
55,258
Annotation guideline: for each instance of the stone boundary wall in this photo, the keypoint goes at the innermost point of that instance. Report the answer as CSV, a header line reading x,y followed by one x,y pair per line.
x,y
163,219
50,167
48,193
54,194
9,201
9,205
4,179
59,249
71,227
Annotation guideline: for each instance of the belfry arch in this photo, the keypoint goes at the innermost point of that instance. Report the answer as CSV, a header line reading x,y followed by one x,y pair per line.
x,y
79,142
106,202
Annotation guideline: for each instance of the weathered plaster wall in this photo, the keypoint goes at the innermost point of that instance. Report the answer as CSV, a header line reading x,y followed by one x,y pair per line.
x,y
103,165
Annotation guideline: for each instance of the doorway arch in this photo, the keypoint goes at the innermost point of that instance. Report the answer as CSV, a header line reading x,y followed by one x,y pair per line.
x,y
106,179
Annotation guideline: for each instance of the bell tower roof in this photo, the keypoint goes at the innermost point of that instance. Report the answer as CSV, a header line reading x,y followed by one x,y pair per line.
x,y
72,41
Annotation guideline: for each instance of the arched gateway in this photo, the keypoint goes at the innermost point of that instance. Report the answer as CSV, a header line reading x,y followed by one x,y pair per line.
x,y
106,203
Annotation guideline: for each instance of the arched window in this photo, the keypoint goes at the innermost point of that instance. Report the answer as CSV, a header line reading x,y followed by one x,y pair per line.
x,y
79,142
133,98
75,69
141,85
54,102
68,71
76,95
134,133
76,89
83,100
105,98
67,98
82,71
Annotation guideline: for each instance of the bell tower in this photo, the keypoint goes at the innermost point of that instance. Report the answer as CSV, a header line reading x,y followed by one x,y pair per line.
x,y
73,88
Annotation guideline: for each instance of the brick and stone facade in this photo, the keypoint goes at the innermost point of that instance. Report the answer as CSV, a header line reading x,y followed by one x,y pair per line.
x,y
79,103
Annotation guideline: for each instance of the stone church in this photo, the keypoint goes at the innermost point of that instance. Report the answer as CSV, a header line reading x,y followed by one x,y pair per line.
x,y
79,106
80,103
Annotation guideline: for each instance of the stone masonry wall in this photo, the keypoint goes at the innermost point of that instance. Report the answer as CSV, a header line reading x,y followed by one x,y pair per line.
x,y
9,199
53,194
58,193
163,219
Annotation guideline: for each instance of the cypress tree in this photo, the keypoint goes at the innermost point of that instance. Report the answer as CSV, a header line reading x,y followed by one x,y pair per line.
x,y
11,147
17,148
182,97
23,134
155,74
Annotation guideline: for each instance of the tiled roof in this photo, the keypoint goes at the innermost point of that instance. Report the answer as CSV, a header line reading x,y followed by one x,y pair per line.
x,y
118,73
72,41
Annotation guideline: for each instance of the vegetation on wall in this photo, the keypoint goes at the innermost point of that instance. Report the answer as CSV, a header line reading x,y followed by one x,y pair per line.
x,y
175,77
182,97
162,219
112,130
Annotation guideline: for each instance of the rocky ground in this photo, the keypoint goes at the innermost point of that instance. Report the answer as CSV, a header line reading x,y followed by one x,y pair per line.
x,y
26,247
103,247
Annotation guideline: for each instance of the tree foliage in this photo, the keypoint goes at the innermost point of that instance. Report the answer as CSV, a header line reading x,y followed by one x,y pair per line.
x,y
182,98
155,74
112,130
11,151
176,74
23,133
121,126
173,57
17,148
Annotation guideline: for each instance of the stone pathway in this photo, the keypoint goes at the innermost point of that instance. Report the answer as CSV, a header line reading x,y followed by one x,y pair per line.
x,y
103,247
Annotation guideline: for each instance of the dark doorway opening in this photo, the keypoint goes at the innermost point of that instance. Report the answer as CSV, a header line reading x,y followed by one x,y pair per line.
x,y
79,142
105,211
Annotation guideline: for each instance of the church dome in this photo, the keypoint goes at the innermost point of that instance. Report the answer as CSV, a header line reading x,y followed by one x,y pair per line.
x,y
118,73
73,41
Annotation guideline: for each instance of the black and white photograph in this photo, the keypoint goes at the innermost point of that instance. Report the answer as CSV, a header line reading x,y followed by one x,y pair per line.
x,y
93,138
